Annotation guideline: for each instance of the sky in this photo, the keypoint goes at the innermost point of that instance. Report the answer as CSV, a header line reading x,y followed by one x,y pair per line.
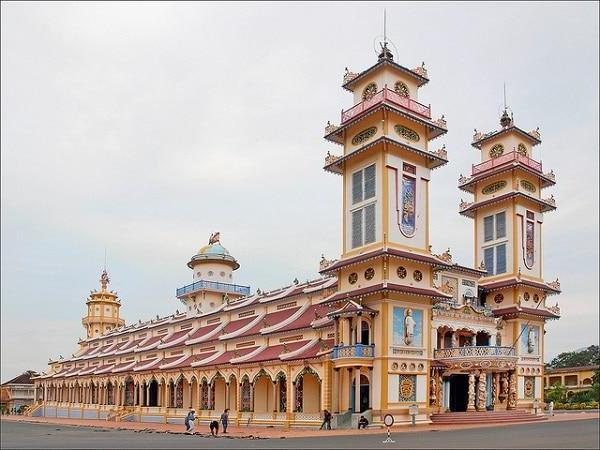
x,y
140,128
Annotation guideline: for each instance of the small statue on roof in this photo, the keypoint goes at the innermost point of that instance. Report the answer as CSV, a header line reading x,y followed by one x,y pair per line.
x,y
104,280
296,281
214,238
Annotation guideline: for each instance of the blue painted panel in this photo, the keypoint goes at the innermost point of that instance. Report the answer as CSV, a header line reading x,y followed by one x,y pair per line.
x,y
152,419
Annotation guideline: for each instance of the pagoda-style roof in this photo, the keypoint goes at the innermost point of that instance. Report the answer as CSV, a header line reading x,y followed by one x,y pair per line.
x,y
548,288
467,184
391,252
514,311
468,209
388,287
352,308
335,164
532,136
335,133
352,79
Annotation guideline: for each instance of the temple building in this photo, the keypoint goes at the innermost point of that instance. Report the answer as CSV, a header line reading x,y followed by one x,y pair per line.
x,y
390,327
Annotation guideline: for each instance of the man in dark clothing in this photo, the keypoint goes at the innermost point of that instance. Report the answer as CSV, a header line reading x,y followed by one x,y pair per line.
x,y
326,420
225,420
362,423
214,427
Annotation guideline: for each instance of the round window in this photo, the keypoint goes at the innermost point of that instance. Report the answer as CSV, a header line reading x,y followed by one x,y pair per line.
x,y
401,89
417,275
521,149
369,273
369,91
496,151
353,278
401,271
536,298
222,274
210,273
499,298
526,296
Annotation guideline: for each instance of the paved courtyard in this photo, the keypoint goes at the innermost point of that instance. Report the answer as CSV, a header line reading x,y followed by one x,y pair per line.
x,y
564,434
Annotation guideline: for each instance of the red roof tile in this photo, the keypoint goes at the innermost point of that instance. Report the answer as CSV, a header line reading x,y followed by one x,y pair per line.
x,y
269,320
271,353
313,351
228,355
306,318
204,331
514,310
237,324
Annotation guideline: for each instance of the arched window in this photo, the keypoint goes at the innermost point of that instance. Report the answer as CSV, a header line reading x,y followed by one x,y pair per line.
x,y
401,89
369,91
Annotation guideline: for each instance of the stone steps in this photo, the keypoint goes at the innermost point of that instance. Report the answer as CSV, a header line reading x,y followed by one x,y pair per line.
x,y
485,417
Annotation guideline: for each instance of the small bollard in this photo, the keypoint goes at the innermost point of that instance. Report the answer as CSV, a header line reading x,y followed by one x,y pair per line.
x,y
413,410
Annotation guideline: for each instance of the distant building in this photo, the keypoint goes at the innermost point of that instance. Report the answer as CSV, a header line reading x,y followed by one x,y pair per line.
x,y
575,379
18,392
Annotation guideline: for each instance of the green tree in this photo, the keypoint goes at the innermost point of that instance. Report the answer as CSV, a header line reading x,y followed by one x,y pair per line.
x,y
586,357
557,393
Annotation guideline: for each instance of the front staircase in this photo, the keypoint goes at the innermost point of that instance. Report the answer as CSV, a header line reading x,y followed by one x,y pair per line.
x,y
483,417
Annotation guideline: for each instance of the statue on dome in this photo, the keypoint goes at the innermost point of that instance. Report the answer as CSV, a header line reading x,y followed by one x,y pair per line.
x,y
214,238
104,280
409,327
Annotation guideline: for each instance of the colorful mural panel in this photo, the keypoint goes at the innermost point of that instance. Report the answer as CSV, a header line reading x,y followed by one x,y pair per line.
x,y
529,244
408,327
408,220
407,388
530,387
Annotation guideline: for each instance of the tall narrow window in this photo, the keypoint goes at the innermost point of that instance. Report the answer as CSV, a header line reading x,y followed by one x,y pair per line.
x,y
363,217
369,180
488,228
369,223
500,225
357,228
489,260
357,187
501,259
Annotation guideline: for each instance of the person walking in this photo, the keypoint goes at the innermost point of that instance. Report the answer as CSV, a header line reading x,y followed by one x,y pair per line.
x,y
189,422
225,420
214,427
326,420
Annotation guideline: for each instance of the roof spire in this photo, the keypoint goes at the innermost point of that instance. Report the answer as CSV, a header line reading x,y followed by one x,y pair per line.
x,y
505,120
385,51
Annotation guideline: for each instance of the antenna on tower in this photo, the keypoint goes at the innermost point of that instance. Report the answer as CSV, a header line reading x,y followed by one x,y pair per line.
x,y
384,53
505,95
505,119
105,257
384,27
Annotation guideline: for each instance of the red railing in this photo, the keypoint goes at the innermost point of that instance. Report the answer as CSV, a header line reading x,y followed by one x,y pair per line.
x,y
504,159
391,97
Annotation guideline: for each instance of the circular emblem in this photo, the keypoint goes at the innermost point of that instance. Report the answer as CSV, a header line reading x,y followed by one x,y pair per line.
x,y
395,366
401,89
465,364
353,278
421,366
403,366
401,271
407,133
530,187
536,298
369,273
494,187
364,136
526,296
369,91
499,298
417,275
496,150
388,420
521,149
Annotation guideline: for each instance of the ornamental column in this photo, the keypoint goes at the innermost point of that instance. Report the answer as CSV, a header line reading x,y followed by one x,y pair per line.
x,y
252,396
227,385
136,394
357,390
512,391
471,400
481,392
495,388
210,389
190,385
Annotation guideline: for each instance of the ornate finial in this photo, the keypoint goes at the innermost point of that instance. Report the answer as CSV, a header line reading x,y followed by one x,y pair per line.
x,y
446,256
519,274
60,357
482,265
429,248
139,321
177,312
286,349
157,317
214,238
104,280
296,281
258,292
555,284
505,119
385,53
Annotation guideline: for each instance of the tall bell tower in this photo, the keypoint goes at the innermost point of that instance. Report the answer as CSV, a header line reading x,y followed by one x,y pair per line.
x,y
386,267
102,310
508,212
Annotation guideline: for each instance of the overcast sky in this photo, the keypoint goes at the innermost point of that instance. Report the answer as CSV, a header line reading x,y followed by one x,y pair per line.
x,y
143,127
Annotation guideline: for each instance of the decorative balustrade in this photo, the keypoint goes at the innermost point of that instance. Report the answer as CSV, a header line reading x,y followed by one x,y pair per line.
x,y
387,95
474,351
353,351
505,159
213,285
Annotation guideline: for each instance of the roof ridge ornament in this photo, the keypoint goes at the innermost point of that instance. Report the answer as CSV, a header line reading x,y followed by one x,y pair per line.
x,y
104,280
214,238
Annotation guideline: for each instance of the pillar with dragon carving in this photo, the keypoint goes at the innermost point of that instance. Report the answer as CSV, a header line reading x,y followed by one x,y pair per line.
x,y
512,391
481,391
471,401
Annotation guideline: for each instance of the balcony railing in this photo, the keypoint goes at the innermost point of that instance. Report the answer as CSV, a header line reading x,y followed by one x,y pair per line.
x,y
391,97
473,352
354,351
214,286
505,159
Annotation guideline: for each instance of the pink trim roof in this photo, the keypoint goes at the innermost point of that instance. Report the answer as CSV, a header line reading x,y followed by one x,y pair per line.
x,y
269,320
306,319
227,356
88,370
123,366
204,330
315,350
271,353
150,343
235,325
